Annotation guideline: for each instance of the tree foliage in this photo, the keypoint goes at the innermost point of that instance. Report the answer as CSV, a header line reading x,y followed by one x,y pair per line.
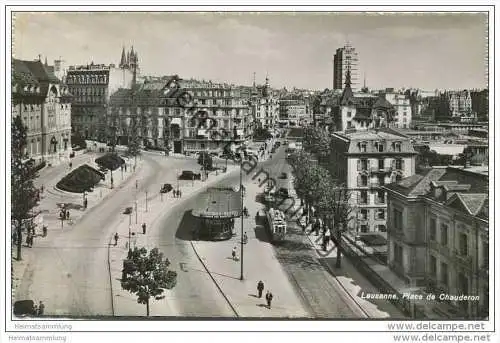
x,y
317,141
134,145
148,275
24,195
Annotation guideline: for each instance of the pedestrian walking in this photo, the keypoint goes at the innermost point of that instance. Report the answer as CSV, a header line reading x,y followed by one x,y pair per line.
x,y
85,203
28,239
70,165
245,238
41,308
143,228
233,253
125,167
44,231
35,310
269,299
116,239
180,194
67,214
260,288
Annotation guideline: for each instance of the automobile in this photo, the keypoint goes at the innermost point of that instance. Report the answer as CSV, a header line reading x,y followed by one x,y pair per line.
x,y
127,210
283,176
273,150
167,187
189,175
24,308
278,143
286,141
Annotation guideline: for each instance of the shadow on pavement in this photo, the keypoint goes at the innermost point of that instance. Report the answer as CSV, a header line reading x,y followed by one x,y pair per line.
x,y
261,234
301,260
186,226
70,205
295,246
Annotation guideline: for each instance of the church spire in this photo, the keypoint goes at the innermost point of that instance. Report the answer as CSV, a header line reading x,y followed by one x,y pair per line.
x,y
123,60
347,92
347,82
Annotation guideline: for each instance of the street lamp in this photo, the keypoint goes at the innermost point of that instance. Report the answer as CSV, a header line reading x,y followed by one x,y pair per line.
x,y
146,200
129,231
111,178
136,211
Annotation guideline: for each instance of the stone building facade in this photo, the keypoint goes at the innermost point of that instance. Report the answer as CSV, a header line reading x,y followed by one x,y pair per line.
x,y
438,236
44,105
91,86
366,161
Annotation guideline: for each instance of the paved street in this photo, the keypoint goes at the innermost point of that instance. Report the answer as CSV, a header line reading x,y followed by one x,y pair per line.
x,y
68,270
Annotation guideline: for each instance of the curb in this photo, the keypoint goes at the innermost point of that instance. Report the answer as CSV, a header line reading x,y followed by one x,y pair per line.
x,y
214,281
111,278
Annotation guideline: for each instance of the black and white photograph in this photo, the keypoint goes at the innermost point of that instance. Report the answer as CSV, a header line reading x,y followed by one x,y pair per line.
x,y
249,169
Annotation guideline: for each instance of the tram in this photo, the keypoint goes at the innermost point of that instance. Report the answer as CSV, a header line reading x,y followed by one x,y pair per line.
x,y
276,224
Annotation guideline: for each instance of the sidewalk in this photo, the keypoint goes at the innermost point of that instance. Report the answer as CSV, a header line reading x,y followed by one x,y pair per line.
x,y
124,302
260,263
49,208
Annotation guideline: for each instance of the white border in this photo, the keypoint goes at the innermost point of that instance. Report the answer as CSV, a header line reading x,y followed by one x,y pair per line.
x,y
359,326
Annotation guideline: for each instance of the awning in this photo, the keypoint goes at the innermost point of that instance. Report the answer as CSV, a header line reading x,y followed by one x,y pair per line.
x,y
176,121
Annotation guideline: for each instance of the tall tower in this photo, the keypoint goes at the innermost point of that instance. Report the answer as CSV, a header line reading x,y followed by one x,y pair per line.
x,y
123,60
345,58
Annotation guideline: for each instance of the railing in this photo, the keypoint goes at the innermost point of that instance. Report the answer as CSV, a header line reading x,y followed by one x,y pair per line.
x,y
463,259
381,170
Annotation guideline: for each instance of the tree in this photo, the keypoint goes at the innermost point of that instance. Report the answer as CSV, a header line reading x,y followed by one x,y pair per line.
x,y
147,275
334,206
24,195
205,160
317,141
133,147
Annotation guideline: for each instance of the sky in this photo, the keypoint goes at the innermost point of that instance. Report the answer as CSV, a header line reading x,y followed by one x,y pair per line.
x,y
428,51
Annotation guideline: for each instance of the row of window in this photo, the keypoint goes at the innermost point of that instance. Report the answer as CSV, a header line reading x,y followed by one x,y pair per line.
x,y
379,181
88,91
86,79
380,146
379,197
378,214
381,163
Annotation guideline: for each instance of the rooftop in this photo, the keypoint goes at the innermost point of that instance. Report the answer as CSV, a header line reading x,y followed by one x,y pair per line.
x,y
218,203
380,134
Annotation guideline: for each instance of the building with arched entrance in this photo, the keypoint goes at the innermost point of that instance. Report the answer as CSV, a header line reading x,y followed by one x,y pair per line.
x,y
44,105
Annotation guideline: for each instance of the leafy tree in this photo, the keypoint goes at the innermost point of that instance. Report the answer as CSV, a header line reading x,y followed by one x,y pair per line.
x,y
147,275
24,195
133,147
78,139
334,207
261,133
205,160
317,141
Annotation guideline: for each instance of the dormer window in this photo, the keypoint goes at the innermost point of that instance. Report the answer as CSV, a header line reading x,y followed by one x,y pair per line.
x,y
379,146
397,146
362,146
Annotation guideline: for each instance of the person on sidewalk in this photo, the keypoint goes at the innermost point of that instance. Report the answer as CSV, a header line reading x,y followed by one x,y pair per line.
x,y
260,288
245,238
269,299
233,254
85,203
28,239
180,194
143,228
44,231
116,239
67,215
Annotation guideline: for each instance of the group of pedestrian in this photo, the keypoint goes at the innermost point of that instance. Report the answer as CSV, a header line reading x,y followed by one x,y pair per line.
x,y
39,310
64,214
177,193
269,294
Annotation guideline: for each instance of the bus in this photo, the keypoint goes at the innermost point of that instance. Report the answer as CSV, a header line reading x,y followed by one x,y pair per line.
x,y
276,224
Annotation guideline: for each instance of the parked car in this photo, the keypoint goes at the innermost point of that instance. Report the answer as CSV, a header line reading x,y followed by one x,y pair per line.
x,y
189,175
24,308
166,188
127,210
283,176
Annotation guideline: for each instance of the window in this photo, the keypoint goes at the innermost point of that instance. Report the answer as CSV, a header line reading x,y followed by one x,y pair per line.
x,y
363,197
398,254
364,228
433,266
463,244
399,164
379,146
444,273
381,197
444,234
364,164
363,214
486,254
432,229
397,146
398,219
381,228
362,147
380,214
363,180
381,163
381,180
349,125
349,113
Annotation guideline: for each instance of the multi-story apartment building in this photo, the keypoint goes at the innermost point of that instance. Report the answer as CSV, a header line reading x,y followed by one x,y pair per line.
x,y
91,86
365,161
44,105
402,108
359,111
460,103
438,236
345,58
293,110
265,106
189,117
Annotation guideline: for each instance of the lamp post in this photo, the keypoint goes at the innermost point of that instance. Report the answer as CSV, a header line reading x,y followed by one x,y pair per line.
x,y
135,211
129,231
146,200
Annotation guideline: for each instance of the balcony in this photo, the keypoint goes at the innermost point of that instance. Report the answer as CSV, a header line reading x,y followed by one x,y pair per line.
x,y
377,170
443,250
463,259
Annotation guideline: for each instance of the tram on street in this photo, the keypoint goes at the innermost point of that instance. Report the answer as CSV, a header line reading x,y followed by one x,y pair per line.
x,y
276,224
